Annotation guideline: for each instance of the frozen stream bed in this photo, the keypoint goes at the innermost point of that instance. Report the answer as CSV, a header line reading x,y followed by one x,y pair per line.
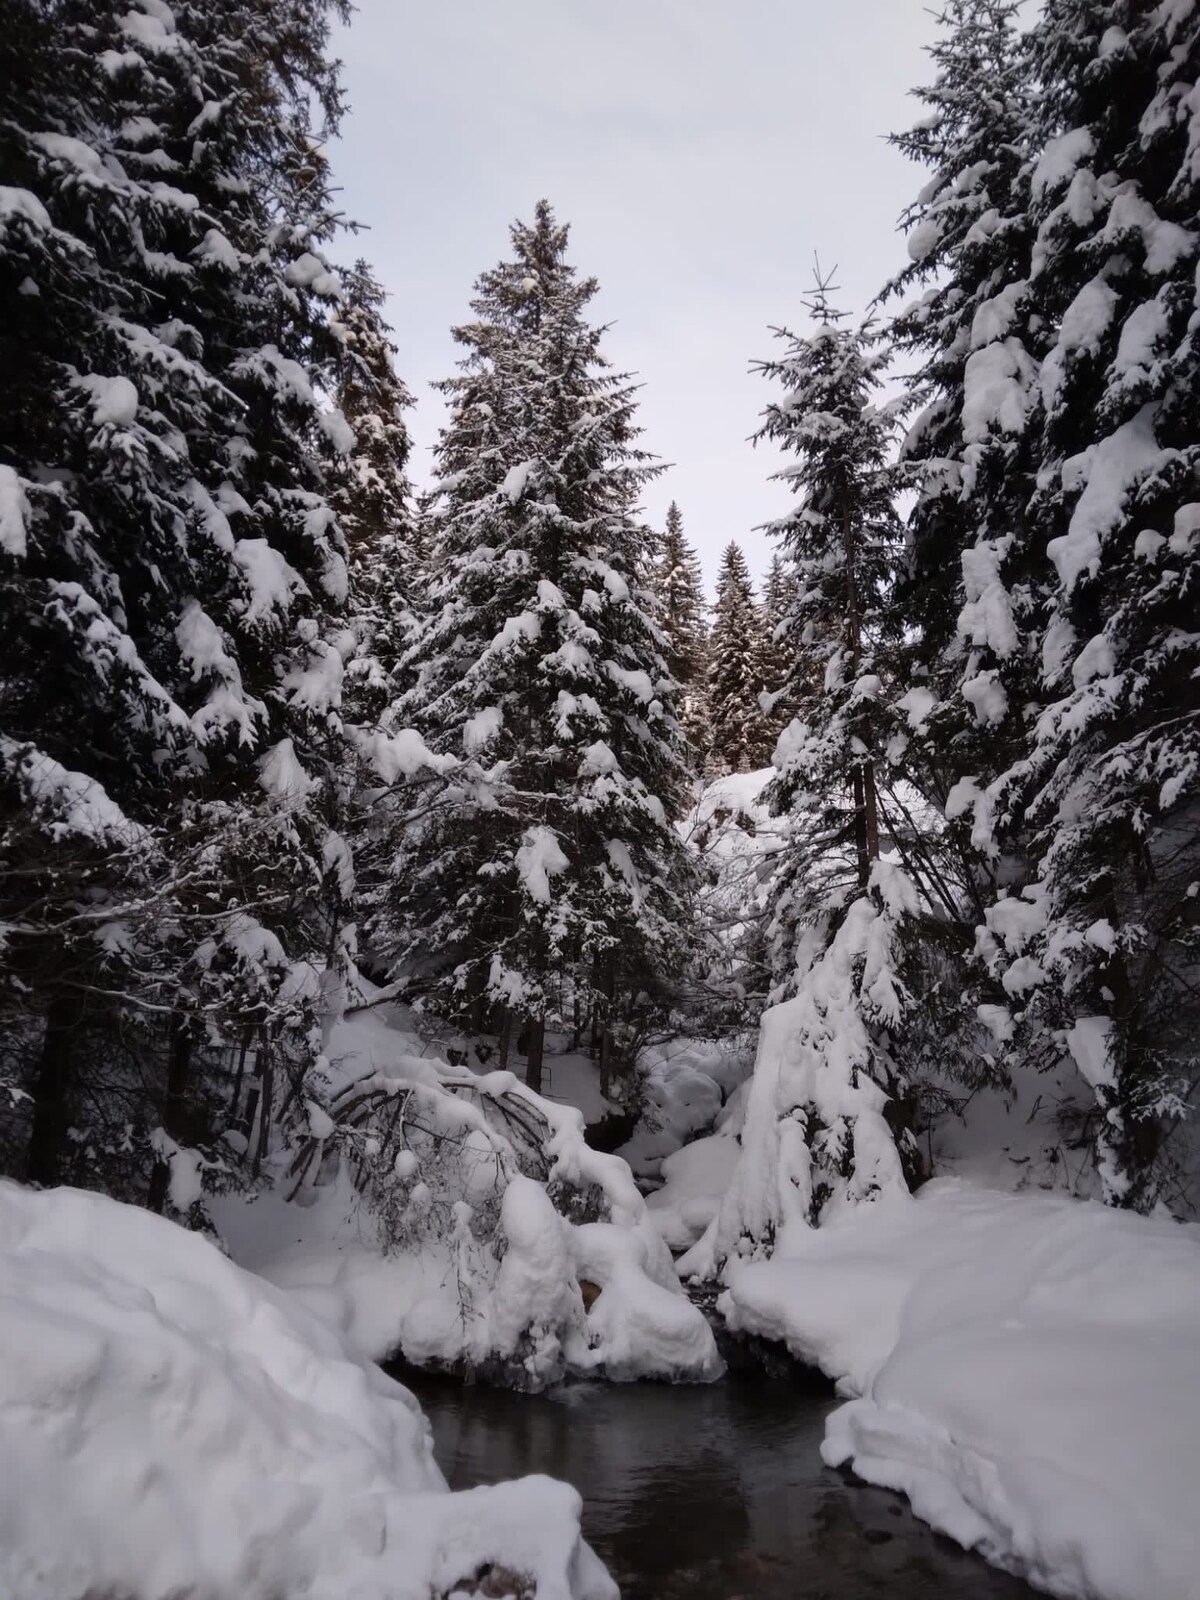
x,y
706,1492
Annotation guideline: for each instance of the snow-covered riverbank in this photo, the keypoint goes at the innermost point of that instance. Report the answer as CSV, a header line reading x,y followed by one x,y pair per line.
x,y
173,1425
1021,1366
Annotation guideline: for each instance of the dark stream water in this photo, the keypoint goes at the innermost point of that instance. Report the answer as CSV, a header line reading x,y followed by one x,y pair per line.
x,y
713,1492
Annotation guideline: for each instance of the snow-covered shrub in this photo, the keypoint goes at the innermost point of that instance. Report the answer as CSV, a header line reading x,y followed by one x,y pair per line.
x,y
485,1202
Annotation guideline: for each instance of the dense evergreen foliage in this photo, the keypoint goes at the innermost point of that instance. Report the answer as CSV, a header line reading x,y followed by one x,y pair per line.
x,y
551,883
737,671
173,572
679,594
265,715
1051,572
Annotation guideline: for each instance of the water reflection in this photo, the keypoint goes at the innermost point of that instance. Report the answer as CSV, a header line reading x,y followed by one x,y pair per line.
x,y
710,1493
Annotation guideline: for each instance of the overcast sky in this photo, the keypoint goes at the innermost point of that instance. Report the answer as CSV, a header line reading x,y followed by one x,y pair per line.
x,y
701,151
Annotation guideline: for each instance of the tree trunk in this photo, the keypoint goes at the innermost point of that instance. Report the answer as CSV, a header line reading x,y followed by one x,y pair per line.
x,y
266,1069
861,849
236,1097
505,1037
866,805
535,1052
179,1072
51,1090
604,1006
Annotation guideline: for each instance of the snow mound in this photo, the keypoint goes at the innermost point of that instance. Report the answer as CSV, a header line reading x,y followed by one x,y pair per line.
x,y
685,1082
1024,1371
172,1426
695,1180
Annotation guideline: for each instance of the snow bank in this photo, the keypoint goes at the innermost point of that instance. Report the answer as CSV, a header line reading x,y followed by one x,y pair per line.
x,y
1024,1370
695,1181
173,1426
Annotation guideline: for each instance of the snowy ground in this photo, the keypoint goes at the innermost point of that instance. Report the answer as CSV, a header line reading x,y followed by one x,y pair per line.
x,y
1023,1367
172,1425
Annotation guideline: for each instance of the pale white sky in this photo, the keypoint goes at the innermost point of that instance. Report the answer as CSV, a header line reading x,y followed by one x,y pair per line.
x,y
701,151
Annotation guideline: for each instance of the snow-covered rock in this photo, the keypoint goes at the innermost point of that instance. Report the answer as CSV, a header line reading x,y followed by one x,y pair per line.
x,y
694,1181
685,1082
1023,1368
171,1425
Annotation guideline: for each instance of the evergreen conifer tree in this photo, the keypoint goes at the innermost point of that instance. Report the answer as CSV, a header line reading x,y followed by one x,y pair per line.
x,y
780,592
168,552
1048,573
547,878
974,588
842,915
1099,944
740,738
679,592
372,495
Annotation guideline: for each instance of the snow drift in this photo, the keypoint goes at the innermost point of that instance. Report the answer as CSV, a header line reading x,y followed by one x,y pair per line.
x,y
173,1426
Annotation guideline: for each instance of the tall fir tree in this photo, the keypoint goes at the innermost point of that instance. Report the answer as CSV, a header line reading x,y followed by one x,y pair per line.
x,y
679,592
547,875
740,739
1049,572
780,592
1101,943
372,495
843,916
973,589
168,552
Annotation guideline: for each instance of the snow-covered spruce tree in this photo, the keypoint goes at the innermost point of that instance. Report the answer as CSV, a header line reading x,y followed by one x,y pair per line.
x,y
779,596
826,1118
973,591
1104,942
372,495
740,736
679,592
170,564
546,880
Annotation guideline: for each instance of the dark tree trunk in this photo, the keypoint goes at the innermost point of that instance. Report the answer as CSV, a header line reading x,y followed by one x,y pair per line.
x,y
52,1091
535,1053
235,1099
179,1073
604,1005
266,1072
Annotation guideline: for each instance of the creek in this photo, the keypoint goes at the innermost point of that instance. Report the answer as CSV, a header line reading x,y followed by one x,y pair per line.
x,y
706,1492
